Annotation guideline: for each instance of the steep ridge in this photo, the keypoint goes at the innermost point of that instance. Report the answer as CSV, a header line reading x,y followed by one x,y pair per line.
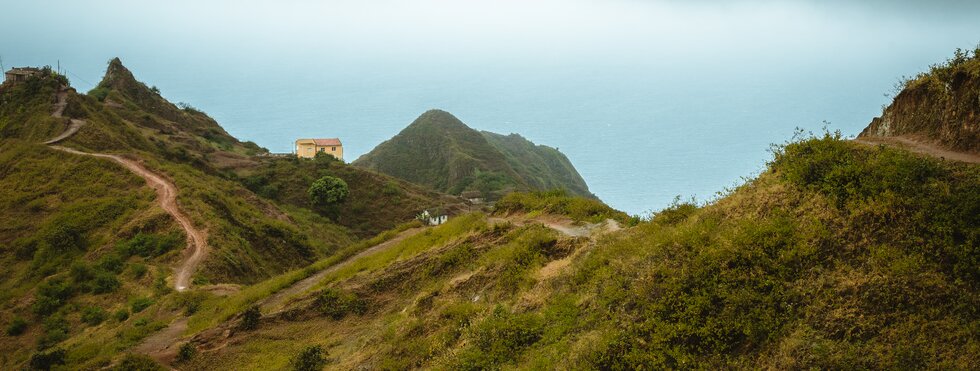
x,y
439,151
166,195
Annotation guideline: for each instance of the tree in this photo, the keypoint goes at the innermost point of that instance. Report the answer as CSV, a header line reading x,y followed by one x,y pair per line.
x,y
327,191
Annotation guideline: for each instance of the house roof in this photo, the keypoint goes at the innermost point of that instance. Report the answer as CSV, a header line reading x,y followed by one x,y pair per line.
x,y
327,142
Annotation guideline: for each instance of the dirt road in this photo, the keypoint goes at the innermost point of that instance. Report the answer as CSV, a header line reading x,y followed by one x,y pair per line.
x,y
166,196
281,296
921,147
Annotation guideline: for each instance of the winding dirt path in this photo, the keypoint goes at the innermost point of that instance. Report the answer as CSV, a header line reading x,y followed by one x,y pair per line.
x,y
921,147
282,296
166,196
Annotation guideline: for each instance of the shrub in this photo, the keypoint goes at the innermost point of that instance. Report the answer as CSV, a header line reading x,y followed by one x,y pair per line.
x,y
16,327
250,318
559,202
93,315
327,191
111,263
139,304
138,270
46,360
337,304
55,330
103,283
138,362
186,352
500,337
149,245
312,358
99,93
121,315
51,295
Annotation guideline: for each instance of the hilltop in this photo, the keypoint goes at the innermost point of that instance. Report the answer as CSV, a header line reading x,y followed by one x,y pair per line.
x,y
439,151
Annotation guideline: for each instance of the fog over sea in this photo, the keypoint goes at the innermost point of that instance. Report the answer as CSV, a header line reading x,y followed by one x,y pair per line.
x,y
648,99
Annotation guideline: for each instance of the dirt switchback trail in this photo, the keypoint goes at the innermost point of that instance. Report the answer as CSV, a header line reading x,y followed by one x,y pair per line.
x,y
166,196
280,297
921,147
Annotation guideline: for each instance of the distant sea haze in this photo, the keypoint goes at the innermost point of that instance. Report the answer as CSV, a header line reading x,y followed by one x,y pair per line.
x,y
649,100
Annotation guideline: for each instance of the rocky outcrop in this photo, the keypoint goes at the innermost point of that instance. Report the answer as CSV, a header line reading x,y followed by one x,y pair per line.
x,y
941,107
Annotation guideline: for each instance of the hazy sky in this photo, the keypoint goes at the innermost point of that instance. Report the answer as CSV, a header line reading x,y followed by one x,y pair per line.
x,y
691,93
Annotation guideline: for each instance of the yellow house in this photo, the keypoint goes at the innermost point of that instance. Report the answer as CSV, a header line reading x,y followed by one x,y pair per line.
x,y
308,148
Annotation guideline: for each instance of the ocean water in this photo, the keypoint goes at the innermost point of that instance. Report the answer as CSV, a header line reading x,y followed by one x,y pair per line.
x,y
649,100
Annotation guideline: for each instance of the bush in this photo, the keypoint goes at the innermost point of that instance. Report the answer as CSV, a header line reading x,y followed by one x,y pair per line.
x,y
121,315
111,263
139,304
499,338
559,202
93,315
327,191
250,318
337,304
51,295
149,245
186,352
138,362
312,358
103,283
55,330
138,270
99,93
47,360
16,327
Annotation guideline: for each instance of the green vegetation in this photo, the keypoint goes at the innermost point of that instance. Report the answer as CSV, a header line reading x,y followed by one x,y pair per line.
x,y
839,256
186,352
439,151
250,318
312,358
93,316
337,304
375,203
560,203
328,191
16,327
137,362
150,245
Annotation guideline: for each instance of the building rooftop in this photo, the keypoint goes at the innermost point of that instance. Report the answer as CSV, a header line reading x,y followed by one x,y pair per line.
x,y
327,142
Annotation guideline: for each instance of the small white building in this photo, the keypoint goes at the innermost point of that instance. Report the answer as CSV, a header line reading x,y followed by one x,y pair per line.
x,y
428,218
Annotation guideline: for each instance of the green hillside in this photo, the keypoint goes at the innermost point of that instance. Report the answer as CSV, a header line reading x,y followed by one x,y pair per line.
x,y
840,256
87,247
441,152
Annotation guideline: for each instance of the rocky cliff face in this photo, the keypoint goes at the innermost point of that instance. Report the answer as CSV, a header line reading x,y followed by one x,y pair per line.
x,y
941,106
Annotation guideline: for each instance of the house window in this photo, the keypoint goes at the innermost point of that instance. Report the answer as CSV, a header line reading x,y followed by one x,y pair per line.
x,y
321,149
334,149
